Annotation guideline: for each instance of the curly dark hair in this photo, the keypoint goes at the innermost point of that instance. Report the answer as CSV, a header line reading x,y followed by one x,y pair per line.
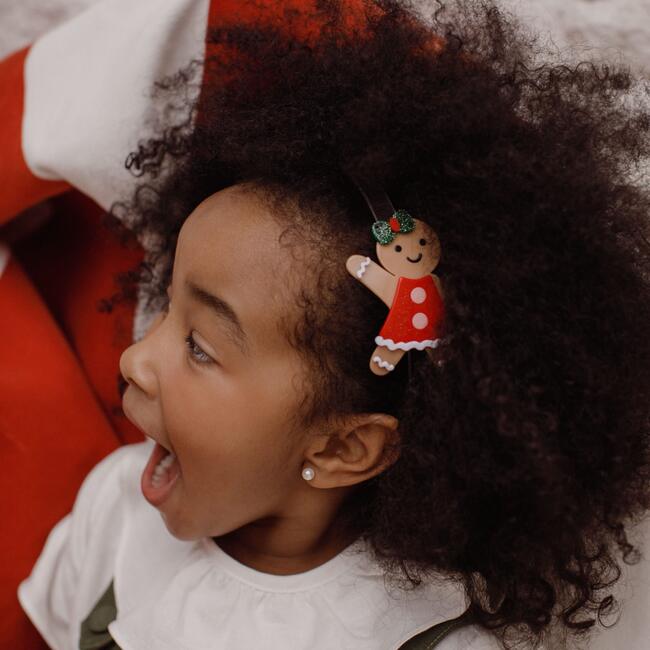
x,y
523,457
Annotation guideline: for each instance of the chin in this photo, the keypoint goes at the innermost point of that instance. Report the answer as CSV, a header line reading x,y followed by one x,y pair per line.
x,y
181,530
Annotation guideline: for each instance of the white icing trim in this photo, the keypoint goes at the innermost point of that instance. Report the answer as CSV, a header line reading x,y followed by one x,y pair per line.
x,y
400,345
5,253
383,364
362,267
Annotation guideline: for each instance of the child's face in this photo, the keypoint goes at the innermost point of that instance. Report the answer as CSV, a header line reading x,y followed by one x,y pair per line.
x,y
228,419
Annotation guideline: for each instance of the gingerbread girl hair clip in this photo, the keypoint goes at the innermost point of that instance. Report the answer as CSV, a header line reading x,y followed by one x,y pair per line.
x,y
408,251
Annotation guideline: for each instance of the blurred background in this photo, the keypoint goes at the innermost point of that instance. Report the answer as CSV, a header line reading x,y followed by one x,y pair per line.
x,y
614,30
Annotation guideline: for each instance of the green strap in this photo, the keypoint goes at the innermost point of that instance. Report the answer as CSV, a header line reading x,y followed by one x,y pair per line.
x,y
94,628
433,635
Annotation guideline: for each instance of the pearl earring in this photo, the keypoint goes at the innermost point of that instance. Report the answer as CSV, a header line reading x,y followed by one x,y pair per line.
x,y
308,473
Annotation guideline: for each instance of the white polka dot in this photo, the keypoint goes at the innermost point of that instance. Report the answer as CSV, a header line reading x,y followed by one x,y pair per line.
x,y
418,295
420,321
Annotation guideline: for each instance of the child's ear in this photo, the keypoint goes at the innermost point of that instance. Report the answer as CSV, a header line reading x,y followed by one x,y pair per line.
x,y
360,447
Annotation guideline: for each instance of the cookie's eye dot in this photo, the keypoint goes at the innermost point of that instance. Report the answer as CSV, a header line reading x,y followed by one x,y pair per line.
x,y
398,248
423,242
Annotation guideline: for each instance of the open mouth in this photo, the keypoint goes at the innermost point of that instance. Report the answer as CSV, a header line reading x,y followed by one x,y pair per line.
x,y
416,260
159,475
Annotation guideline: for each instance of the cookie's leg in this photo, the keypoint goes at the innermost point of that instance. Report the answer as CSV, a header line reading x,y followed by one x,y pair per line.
x,y
383,360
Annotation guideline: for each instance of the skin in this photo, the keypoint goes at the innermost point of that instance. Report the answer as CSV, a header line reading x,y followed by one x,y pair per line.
x,y
411,255
228,412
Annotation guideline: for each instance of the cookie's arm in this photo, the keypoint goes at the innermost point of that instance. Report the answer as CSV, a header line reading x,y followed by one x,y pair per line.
x,y
377,279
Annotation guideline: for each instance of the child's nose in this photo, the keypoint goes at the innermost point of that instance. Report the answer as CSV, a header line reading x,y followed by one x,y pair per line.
x,y
136,369
136,362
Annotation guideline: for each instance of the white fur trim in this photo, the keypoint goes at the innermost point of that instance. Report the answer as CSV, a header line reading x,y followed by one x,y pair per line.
x,y
411,345
87,89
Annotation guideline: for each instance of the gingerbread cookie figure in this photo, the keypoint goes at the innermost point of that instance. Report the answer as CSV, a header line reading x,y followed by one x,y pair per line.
x,y
408,250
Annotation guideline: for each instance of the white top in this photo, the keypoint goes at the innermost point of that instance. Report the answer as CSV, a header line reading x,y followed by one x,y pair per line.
x,y
190,595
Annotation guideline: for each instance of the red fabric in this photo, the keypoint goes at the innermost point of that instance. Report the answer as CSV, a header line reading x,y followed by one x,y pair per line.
x,y
53,430
72,260
20,188
60,409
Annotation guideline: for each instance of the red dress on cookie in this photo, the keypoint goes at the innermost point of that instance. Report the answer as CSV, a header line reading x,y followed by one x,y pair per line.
x,y
414,316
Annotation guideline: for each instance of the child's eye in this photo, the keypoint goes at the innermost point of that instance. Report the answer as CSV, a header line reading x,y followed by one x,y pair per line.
x,y
196,353
423,242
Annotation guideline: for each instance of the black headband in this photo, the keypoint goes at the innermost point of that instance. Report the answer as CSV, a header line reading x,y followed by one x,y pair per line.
x,y
382,209
380,205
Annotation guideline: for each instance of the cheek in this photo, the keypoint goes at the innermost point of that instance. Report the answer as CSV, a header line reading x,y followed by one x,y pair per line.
x,y
228,429
429,260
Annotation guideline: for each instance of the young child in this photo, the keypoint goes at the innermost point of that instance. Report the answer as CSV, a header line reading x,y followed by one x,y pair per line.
x,y
473,485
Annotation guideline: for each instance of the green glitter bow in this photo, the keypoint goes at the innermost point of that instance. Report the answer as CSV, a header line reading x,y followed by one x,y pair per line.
x,y
384,232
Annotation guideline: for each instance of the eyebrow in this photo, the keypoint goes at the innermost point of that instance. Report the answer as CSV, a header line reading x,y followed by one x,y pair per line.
x,y
223,310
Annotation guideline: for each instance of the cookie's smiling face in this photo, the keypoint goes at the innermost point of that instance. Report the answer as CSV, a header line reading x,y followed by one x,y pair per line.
x,y
413,254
